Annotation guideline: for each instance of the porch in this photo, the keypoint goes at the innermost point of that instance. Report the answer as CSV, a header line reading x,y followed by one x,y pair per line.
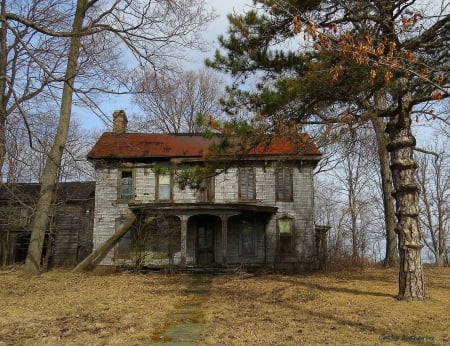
x,y
205,234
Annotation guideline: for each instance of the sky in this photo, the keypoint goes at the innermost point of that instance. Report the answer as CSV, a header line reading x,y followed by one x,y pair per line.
x,y
90,121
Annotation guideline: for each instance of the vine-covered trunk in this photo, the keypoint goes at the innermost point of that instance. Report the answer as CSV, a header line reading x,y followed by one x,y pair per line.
x,y
406,194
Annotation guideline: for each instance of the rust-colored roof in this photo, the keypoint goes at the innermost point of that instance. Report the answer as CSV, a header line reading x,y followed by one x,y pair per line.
x,y
137,146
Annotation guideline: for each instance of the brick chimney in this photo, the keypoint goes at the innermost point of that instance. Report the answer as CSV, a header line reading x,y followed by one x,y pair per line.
x,y
119,121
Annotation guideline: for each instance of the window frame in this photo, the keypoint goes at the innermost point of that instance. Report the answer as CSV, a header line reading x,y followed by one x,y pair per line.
x,y
170,185
207,194
22,216
284,191
121,197
244,173
285,238
127,237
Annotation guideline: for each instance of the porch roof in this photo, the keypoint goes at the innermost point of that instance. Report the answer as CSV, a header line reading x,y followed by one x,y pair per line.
x,y
201,208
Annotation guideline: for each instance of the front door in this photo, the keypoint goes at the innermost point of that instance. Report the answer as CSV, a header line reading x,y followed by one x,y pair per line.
x,y
205,244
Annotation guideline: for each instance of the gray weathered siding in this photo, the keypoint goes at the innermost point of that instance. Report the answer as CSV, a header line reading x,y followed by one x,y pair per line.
x,y
108,209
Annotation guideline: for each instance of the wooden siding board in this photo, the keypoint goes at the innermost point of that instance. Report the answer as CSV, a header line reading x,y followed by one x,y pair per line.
x,y
226,191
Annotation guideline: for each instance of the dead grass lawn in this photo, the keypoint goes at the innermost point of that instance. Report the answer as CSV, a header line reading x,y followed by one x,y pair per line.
x,y
355,307
342,308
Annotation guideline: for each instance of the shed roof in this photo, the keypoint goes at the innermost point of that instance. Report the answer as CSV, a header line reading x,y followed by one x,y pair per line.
x,y
136,146
66,191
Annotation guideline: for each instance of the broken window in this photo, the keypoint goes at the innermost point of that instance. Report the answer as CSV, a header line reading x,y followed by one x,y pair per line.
x,y
247,184
285,231
247,239
126,185
283,180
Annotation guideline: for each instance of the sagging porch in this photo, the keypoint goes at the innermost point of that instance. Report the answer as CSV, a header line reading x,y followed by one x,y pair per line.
x,y
201,234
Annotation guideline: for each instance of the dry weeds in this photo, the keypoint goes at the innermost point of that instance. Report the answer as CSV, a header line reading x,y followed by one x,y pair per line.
x,y
343,308
355,307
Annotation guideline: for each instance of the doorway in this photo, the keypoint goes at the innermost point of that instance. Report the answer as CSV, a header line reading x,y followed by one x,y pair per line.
x,y
205,244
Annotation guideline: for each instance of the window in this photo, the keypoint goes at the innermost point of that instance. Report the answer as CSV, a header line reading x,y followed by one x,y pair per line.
x,y
126,185
125,244
283,181
206,192
22,219
247,239
164,187
247,184
285,235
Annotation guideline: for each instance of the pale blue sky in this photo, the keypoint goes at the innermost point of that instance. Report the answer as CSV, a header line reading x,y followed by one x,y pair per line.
x,y
90,121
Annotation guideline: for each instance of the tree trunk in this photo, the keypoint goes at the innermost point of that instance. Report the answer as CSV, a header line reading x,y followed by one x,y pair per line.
x,y
353,213
53,162
403,167
3,98
391,257
83,265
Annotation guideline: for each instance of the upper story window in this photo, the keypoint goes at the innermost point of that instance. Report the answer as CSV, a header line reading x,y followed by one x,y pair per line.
x,y
247,184
285,232
23,216
283,181
206,193
164,190
126,185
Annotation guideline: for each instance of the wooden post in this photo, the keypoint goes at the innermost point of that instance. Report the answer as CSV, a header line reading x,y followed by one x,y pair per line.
x,y
224,238
184,219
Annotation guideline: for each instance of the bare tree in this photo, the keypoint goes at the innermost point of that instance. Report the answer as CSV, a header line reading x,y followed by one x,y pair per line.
x,y
154,32
346,196
22,60
433,177
172,102
25,163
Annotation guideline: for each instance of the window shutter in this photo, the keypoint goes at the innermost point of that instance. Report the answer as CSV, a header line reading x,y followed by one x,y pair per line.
x,y
247,183
283,189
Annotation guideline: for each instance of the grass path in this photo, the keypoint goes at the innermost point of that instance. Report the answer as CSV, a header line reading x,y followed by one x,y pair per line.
x,y
185,324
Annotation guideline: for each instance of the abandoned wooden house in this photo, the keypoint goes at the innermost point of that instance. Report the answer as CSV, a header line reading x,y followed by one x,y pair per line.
x,y
258,211
68,238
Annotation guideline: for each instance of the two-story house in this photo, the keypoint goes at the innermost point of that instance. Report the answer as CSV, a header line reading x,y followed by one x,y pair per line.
x,y
256,211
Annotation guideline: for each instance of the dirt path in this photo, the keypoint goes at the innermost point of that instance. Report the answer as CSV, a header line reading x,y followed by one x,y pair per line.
x,y
184,326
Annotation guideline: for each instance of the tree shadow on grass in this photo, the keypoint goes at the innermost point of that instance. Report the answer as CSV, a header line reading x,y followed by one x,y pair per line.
x,y
349,291
384,335
323,288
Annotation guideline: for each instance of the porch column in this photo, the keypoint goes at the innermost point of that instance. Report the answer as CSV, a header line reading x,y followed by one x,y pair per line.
x,y
224,219
184,220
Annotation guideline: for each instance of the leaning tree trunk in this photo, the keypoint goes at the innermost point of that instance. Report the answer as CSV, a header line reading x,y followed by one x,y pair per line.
x,y
103,249
406,193
391,258
53,162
